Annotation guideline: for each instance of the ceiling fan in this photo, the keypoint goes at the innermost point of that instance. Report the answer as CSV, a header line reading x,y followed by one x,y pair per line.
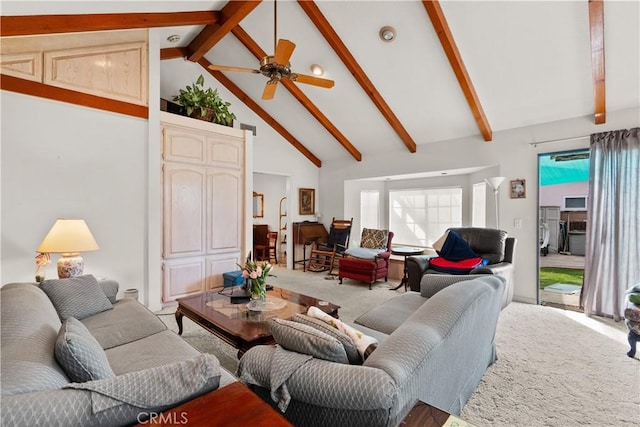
x,y
277,66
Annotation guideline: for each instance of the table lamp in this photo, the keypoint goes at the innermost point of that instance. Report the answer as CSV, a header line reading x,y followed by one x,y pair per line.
x,y
69,237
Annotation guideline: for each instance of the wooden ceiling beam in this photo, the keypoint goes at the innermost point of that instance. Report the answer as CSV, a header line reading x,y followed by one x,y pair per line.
x,y
321,23
41,90
173,52
596,32
441,27
50,24
255,49
230,16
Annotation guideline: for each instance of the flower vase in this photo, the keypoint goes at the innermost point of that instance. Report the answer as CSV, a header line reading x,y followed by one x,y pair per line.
x,y
40,273
258,289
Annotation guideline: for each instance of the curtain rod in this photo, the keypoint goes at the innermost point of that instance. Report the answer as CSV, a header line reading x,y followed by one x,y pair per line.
x,y
535,144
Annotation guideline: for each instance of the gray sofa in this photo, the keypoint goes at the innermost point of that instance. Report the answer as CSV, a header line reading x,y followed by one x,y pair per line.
x,y
494,245
150,368
433,346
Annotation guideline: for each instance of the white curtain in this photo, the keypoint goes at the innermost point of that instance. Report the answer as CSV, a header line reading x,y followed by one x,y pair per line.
x,y
612,261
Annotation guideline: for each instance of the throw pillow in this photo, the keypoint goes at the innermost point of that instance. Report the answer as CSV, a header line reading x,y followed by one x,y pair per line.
x,y
374,239
438,244
77,297
307,340
464,266
455,248
110,289
79,353
352,352
364,343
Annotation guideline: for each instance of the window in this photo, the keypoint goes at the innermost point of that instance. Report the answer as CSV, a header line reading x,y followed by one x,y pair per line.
x,y
370,209
479,215
574,203
420,217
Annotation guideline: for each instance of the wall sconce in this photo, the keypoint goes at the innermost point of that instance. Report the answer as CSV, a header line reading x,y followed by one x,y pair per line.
x,y
69,237
387,34
495,183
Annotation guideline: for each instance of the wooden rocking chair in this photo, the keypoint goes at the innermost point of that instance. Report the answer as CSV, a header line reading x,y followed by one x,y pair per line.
x,y
325,256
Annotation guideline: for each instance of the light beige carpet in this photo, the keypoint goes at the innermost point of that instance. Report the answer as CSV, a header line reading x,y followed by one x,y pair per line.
x,y
552,370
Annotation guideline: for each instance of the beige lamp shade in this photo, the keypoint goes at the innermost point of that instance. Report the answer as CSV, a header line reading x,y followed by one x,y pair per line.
x,y
69,237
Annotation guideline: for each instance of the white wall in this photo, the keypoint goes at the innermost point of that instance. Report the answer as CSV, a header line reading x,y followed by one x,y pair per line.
x,y
509,154
552,195
62,160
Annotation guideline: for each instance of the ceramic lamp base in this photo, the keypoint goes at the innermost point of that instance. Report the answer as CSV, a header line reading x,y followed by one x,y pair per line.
x,y
70,265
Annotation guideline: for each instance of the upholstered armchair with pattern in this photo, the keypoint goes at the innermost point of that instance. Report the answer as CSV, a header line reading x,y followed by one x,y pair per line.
x,y
370,261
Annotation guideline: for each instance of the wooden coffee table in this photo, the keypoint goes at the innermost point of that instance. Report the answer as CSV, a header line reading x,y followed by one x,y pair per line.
x,y
239,326
231,406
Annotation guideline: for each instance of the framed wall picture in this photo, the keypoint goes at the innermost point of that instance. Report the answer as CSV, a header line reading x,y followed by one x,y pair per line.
x,y
518,189
307,201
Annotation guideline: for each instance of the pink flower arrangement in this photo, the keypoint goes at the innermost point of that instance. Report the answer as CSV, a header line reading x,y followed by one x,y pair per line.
x,y
254,270
43,259
257,274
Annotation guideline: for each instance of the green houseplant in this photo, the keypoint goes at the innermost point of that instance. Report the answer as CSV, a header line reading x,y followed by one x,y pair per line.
x,y
205,104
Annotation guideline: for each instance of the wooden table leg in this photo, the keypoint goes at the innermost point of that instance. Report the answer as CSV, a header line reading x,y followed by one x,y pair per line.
x,y
405,277
179,316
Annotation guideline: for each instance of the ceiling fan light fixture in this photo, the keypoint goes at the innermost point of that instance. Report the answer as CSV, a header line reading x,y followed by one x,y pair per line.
x,y
387,34
316,69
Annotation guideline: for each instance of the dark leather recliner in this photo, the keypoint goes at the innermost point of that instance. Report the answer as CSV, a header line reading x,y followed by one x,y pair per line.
x,y
489,243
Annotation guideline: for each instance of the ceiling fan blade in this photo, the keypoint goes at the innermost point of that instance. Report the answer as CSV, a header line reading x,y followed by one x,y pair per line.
x,y
228,68
270,89
283,52
311,80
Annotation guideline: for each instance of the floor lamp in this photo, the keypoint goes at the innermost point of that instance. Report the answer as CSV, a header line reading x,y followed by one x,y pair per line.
x,y
495,183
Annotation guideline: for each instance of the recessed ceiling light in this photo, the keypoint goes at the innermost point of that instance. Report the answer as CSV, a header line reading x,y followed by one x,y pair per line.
x,y
173,38
387,34
316,70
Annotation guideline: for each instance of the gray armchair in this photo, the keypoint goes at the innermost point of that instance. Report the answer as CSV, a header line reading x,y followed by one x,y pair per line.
x,y
488,243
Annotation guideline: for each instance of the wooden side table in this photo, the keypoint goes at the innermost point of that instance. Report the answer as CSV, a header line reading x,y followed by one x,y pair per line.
x,y
231,406
405,251
424,415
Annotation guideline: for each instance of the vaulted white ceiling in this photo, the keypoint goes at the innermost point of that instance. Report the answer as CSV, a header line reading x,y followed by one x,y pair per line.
x,y
529,61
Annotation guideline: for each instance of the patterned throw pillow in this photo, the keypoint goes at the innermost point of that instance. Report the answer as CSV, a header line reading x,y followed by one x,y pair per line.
x,y
307,340
77,297
374,239
79,354
351,350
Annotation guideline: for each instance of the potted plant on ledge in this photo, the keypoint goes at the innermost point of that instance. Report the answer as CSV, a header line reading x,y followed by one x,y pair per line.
x,y
205,104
